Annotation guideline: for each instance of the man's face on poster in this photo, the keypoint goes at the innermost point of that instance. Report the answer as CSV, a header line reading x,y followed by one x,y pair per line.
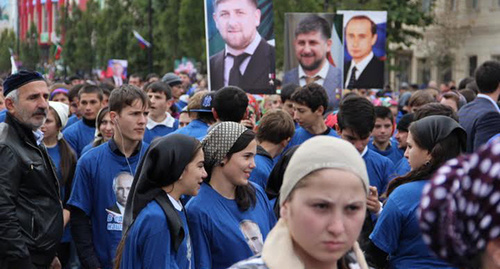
x,y
359,38
311,49
117,69
253,236
237,22
123,183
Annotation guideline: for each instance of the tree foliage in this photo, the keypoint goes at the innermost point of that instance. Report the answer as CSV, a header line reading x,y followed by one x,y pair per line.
x,y
30,50
7,40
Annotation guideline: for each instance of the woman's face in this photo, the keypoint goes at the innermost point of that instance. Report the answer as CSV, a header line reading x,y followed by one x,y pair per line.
x,y
193,175
416,155
50,128
241,164
106,128
325,216
61,97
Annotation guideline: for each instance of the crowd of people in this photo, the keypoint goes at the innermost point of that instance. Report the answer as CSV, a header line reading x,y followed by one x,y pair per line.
x,y
162,173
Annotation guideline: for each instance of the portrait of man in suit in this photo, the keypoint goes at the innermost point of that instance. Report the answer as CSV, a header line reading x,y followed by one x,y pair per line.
x,y
121,187
247,60
311,44
365,70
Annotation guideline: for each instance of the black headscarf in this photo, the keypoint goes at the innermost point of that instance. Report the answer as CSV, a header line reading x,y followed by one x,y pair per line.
x,y
161,166
436,128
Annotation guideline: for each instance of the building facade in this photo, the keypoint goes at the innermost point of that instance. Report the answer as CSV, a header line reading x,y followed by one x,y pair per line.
x,y
465,34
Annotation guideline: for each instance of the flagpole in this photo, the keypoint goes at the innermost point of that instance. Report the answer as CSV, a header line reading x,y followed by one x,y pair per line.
x,y
150,49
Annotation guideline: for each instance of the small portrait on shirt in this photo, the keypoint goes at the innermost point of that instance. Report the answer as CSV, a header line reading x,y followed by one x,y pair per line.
x,y
364,49
121,187
253,236
314,52
240,44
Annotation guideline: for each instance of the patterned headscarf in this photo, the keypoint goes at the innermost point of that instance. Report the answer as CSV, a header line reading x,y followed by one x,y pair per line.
x,y
460,208
219,140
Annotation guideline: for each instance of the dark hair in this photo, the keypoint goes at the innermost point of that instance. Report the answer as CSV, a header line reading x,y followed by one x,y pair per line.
x,y
357,114
100,117
314,23
435,109
107,87
89,89
487,77
126,95
159,87
469,94
152,75
287,91
373,27
444,150
453,96
275,127
230,103
217,2
473,87
382,112
136,75
73,92
463,83
311,95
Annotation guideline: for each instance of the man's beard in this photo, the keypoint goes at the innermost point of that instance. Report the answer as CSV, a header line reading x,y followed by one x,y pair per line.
x,y
315,65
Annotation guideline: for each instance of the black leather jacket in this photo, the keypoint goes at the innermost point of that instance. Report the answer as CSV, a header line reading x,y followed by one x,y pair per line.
x,y
31,220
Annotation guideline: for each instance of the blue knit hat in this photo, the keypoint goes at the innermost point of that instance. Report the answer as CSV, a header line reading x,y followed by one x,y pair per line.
x,y
17,80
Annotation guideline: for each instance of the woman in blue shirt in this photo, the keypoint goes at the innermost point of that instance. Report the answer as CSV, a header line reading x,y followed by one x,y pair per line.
x,y
156,234
231,217
64,160
431,141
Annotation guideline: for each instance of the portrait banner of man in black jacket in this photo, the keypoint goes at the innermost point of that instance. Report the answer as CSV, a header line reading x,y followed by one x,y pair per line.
x,y
240,43
31,219
364,41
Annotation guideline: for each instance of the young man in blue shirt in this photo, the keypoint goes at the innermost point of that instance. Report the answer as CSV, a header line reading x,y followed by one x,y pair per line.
x,y
274,132
103,179
403,166
309,106
200,111
382,141
160,122
81,133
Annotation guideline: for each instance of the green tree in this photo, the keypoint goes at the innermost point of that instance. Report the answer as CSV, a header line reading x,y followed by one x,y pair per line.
x,y
191,30
29,49
7,40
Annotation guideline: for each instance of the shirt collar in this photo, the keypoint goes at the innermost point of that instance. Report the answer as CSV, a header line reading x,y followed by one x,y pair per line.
x,y
168,121
38,137
364,152
177,204
362,65
250,49
116,150
321,73
480,95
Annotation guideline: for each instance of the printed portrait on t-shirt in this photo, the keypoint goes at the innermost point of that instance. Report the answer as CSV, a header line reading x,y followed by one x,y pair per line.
x,y
121,187
253,236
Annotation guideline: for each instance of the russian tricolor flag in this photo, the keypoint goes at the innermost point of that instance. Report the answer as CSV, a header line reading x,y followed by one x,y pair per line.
x,y
142,42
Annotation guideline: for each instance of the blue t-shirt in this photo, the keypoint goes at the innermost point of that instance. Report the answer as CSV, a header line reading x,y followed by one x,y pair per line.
x,y
301,135
159,131
93,193
196,128
215,221
402,168
379,168
56,160
3,115
148,244
72,119
392,152
78,136
397,231
263,166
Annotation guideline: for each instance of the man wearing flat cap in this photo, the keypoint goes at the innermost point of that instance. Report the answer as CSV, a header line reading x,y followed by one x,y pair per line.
x,y
31,221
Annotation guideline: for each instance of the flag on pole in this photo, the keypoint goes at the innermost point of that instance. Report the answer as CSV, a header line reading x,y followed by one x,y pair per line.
x,y
142,42
13,62
58,51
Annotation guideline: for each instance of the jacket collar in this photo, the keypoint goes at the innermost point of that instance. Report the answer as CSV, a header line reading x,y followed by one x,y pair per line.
x,y
24,132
